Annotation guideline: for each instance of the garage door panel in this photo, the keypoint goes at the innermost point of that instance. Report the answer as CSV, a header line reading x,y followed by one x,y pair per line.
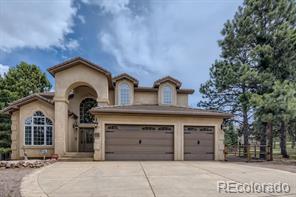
x,y
139,142
144,141
139,134
138,148
198,143
199,157
142,157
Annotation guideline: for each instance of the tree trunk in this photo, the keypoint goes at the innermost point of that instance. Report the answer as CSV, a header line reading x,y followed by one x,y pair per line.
x,y
283,140
270,140
245,131
263,141
293,137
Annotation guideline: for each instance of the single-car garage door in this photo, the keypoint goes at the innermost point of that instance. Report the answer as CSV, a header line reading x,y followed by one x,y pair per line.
x,y
198,143
139,142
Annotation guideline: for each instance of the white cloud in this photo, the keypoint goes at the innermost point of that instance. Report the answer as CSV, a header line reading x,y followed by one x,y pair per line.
x,y
35,24
178,38
3,69
111,6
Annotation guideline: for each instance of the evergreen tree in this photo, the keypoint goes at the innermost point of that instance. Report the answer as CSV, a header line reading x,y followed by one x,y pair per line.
x,y
258,48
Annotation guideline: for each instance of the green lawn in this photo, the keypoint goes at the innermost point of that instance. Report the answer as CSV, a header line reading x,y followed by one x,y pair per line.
x,y
277,151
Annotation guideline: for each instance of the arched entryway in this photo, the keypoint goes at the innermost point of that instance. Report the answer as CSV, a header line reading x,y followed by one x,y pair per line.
x,y
81,122
86,128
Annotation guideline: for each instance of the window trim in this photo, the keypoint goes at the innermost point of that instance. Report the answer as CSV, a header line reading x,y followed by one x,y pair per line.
x,y
129,93
171,96
44,126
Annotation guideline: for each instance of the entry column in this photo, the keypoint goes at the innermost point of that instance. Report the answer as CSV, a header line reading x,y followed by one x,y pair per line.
x,y
98,136
60,125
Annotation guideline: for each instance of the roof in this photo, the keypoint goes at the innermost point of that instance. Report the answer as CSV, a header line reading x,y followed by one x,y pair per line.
x,y
151,89
165,79
44,97
74,61
158,110
126,76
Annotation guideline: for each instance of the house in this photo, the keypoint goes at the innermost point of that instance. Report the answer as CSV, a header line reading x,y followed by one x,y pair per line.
x,y
113,118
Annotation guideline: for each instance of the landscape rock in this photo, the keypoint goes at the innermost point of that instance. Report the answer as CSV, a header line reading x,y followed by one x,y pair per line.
x,y
25,163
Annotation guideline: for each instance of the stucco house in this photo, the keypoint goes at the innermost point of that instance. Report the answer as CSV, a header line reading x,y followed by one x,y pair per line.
x,y
94,115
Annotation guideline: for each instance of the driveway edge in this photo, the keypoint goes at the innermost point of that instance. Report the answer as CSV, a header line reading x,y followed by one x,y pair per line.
x,y
30,186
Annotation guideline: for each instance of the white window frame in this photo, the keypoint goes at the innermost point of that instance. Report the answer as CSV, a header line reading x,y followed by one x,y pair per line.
x,y
44,126
167,95
125,87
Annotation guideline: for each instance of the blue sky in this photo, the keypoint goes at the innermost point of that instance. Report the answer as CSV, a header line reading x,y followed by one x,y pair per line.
x,y
147,39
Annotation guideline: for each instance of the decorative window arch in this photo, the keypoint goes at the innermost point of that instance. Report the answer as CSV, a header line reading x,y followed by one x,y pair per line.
x,y
38,130
167,95
124,94
85,106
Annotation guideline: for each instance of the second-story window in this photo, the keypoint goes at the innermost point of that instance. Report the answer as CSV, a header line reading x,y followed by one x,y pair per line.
x,y
124,94
167,95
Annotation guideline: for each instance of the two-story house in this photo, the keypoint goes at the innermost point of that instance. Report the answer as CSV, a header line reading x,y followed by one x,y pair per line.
x,y
92,114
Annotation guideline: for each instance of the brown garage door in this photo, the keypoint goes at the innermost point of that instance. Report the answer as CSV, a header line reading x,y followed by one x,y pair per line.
x,y
198,143
139,142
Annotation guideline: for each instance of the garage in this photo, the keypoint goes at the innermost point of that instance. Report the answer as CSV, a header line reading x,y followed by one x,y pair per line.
x,y
139,142
198,143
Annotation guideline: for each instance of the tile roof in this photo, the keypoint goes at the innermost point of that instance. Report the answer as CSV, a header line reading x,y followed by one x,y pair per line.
x,y
165,79
158,110
45,97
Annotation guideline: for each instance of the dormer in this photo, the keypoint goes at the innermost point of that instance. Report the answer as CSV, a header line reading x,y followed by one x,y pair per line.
x,y
167,90
124,89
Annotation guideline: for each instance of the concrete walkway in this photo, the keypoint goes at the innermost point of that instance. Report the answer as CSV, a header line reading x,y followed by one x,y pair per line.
x,y
147,179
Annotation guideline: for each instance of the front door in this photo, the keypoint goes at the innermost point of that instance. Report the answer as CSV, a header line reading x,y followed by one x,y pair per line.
x,y
86,140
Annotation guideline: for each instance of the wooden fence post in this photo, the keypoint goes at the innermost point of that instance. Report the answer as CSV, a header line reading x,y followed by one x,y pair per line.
x,y
225,152
248,152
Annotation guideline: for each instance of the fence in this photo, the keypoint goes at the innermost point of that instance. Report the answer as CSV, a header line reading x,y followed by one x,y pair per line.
x,y
5,156
248,152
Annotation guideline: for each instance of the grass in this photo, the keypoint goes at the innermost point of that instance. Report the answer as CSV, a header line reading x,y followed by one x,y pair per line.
x,y
290,150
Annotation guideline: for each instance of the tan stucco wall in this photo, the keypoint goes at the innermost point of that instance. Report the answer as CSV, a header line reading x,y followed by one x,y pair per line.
x,y
81,75
15,135
160,93
18,120
65,81
111,97
146,98
182,100
177,121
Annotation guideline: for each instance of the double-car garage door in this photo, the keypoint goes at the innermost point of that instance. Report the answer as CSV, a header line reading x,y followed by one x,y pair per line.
x,y
156,142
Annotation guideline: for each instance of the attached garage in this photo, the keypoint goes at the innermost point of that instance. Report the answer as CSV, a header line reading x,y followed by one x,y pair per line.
x,y
198,143
139,142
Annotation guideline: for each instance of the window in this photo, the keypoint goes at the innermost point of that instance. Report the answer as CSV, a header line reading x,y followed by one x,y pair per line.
x,y
124,94
167,95
38,130
85,106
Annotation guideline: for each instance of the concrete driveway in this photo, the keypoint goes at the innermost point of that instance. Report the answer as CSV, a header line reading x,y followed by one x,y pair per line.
x,y
141,179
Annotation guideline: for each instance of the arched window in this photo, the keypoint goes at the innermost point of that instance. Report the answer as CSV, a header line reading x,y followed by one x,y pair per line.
x,y
124,94
167,95
38,130
85,106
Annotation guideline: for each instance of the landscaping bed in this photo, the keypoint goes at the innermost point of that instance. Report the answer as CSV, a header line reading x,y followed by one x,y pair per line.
x,y
12,172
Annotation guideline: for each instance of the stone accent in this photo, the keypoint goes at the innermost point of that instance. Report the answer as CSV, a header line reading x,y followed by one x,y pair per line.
x,y
15,135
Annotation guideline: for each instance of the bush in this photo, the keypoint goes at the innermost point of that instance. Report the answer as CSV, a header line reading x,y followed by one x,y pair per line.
x,y
4,150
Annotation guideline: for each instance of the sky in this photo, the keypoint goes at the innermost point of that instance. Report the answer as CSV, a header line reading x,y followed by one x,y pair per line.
x,y
148,39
